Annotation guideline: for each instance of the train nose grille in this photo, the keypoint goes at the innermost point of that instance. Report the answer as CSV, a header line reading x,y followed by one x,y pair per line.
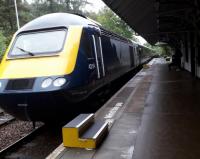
x,y
20,84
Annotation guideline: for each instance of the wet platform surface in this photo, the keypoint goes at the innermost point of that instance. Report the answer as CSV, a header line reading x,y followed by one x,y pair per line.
x,y
156,115
170,126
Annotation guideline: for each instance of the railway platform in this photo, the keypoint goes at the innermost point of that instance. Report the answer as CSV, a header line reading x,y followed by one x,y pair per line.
x,y
155,115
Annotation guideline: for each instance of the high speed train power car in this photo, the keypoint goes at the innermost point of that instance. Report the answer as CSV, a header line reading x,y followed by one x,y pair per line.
x,y
60,58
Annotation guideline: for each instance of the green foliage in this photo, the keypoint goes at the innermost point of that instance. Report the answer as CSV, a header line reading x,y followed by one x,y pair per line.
x,y
8,17
163,50
27,12
2,44
148,45
112,22
41,7
37,8
166,50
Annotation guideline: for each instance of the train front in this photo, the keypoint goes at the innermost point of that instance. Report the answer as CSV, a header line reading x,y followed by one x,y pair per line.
x,y
37,68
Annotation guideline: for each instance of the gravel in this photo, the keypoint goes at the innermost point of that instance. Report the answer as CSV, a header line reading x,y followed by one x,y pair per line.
x,y
14,131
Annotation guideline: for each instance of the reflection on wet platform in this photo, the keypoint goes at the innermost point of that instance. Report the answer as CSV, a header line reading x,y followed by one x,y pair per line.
x,y
170,126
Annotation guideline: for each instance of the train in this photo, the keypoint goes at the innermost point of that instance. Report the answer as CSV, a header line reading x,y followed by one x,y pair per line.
x,y
62,58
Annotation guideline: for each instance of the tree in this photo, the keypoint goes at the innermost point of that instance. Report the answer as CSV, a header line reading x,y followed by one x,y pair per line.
x,y
8,17
27,12
163,50
112,22
8,20
41,7
2,44
78,5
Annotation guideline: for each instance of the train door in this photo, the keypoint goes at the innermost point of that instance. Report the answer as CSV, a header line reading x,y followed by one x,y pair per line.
x,y
136,56
98,56
131,55
140,55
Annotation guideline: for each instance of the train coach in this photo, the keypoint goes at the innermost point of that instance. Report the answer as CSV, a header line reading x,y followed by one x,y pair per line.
x,y
62,58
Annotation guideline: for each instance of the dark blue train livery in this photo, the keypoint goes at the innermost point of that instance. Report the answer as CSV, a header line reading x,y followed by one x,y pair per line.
x,y
62,58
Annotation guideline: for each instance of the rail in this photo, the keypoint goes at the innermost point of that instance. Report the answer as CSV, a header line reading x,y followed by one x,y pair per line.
x,y
22,141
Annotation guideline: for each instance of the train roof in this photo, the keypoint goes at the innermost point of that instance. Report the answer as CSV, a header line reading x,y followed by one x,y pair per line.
x,y
54,20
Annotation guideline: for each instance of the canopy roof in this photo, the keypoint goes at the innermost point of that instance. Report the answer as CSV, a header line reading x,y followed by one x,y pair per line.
x,y
159,20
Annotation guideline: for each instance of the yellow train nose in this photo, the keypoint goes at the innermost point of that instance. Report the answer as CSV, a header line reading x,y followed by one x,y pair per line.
x,y
61,63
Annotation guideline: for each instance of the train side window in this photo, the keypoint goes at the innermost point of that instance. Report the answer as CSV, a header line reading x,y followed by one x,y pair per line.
x,y
86,44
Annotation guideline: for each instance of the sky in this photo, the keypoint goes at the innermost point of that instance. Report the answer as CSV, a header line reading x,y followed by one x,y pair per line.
x,y
95,6
142,40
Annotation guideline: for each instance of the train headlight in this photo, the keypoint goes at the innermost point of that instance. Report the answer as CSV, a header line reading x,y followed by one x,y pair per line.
x,y
0,84
46,83
59,82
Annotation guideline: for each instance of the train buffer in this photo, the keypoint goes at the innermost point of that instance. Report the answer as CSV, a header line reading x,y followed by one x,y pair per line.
x,y
84,132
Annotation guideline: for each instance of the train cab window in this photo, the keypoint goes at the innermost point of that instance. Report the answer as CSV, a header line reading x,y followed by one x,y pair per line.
x,y
86,44
37,43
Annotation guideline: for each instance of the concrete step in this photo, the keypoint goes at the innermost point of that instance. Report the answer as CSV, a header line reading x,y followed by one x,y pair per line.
x,y
82,132
96,133
76,128
81,122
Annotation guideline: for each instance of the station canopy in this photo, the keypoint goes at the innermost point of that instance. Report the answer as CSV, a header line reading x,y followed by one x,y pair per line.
x,y
159,20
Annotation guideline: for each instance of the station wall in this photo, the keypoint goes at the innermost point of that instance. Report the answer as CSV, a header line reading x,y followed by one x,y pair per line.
x,y
191,54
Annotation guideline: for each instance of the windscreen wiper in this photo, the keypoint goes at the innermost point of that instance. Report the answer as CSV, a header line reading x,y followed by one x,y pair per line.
x,y
28,52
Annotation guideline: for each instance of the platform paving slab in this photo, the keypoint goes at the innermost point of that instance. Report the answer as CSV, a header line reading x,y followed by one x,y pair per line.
x,y
156,115
170,126
124,112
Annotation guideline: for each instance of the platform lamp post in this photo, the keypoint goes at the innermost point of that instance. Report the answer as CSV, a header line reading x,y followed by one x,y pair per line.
x,y
17,16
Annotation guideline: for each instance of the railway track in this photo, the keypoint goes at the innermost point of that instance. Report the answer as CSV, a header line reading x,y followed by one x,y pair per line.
x,y
11,148
42,141
5,118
